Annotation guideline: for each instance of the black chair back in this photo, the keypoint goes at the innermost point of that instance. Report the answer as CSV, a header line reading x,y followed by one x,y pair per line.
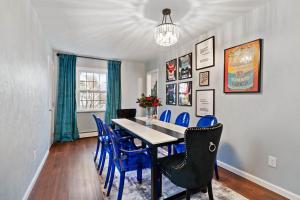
x,y
201,150
126,113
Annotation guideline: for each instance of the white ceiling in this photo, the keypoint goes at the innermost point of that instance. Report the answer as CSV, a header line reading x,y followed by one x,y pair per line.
x,y
123,29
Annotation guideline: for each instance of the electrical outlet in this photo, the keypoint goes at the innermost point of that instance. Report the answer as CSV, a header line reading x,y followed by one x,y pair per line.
x,y
34,154
272,161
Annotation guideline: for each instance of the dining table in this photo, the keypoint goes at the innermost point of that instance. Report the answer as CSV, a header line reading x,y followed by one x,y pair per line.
x,y
159,134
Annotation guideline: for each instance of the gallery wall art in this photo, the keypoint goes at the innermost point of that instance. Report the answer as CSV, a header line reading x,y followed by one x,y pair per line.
x,y
204,78
205,53
185,69
205,102
242,68
171,94
171,70
185,93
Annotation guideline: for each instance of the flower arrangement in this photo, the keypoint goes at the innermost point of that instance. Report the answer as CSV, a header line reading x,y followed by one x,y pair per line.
x,y
148,101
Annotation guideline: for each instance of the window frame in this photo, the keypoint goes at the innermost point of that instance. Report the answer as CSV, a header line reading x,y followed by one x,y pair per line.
x,y
91,70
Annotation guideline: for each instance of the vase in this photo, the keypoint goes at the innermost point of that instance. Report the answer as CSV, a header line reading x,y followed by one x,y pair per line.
x,y
149,111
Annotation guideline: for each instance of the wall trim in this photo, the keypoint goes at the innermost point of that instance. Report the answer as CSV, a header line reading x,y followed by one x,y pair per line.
x,y
88,134
36,175
259,181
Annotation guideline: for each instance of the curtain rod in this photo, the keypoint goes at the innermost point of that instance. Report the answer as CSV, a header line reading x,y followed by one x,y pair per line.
x,y
89,57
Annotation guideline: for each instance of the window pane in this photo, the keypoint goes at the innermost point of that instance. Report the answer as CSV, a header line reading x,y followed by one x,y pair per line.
x,y
97,105
103,96
103,82
82,105
82,85
89,96
90,105
90,85
97,85
96,96
82,76
82,96
102,105
90,76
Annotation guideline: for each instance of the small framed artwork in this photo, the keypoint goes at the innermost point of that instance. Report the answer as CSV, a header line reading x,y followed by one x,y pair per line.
x,y
185,93
171,94
205,102
242,68
185,66
205,53
171,70
204,78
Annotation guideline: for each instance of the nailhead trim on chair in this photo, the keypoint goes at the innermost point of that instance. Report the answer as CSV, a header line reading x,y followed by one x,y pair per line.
x,y
183,163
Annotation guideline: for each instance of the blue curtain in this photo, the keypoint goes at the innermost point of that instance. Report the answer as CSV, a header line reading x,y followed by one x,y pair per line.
x,y
66,120
113,99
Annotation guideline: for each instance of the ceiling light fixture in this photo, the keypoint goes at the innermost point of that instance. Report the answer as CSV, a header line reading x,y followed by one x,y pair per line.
x,y
166,33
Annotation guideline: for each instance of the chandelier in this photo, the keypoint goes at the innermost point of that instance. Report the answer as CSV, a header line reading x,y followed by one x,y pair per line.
x,y
166,33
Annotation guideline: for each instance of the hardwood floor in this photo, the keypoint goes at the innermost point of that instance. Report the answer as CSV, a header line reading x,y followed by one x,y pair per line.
x,y
70,174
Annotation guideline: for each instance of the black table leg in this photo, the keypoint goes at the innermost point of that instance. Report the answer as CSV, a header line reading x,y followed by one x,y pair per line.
x,y
154,186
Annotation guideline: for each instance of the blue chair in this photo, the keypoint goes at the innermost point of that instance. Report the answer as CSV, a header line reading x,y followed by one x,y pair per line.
x,y
165,116
205,121
183,119
125,161
101,140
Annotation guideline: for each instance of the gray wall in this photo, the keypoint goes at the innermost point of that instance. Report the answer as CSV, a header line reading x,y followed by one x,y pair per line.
x,y
255,125
24,94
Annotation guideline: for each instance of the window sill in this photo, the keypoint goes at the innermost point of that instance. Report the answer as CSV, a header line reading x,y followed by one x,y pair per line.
x,y
89,111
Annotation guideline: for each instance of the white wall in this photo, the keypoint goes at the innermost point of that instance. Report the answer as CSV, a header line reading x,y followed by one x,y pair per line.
x,y
255,125
133,79
24,94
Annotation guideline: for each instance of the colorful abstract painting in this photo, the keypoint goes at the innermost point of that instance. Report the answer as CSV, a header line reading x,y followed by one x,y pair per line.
x,y
242,68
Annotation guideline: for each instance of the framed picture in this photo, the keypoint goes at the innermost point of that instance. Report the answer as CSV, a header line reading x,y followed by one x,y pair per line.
x,y
185,93
171,94
185,66
205,53
171,70
204,78
205,102
242,68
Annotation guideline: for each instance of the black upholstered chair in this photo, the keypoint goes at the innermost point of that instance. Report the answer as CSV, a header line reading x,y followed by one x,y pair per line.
x,y
194,169
126,113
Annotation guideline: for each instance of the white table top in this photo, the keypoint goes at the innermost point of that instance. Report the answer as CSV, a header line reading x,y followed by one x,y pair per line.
x,y
152,136
173,127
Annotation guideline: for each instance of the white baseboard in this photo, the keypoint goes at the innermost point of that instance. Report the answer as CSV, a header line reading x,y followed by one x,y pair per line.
x,y
88,134
36,175
259,181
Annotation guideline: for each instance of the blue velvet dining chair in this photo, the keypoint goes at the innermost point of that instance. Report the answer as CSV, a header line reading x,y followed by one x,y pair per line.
x,y
165,116
183,119
125,161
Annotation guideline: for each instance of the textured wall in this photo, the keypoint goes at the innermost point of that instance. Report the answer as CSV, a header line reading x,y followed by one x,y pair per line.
x,y
255,125
24,94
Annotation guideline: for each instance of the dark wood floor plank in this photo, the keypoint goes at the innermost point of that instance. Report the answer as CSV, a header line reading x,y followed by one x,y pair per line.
x,y
70,174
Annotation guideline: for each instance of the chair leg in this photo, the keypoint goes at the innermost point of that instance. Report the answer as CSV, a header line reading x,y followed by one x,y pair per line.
x,y
210,192
159,180
108,172
169,150
188,195
139,175
103,162
216,171
121,185
97,150
174,150
111,179
101,157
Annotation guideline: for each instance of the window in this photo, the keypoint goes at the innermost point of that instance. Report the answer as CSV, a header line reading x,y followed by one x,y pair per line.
x,y
92,90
